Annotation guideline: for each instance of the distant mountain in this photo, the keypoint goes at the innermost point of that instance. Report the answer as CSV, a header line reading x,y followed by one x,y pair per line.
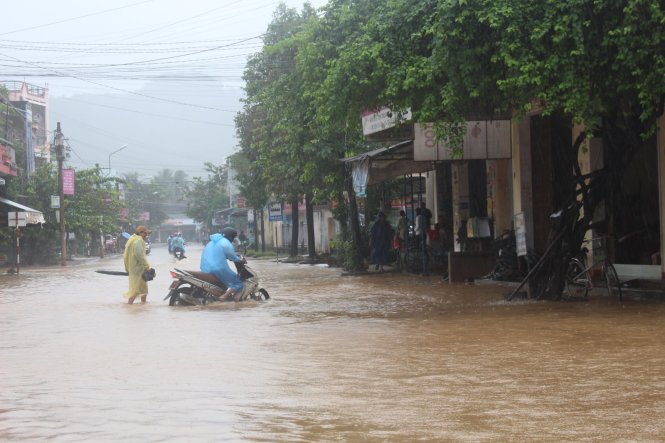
x,y
159,134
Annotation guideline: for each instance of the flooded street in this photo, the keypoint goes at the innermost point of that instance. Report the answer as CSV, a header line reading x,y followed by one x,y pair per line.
x,y
327,358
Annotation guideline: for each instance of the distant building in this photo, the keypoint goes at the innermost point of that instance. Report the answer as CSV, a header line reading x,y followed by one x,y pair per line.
x,y
7,160
188,228
30,127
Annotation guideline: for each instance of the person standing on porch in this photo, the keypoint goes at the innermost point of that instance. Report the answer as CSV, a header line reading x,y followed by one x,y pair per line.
x,y
402,235
379,241
425,225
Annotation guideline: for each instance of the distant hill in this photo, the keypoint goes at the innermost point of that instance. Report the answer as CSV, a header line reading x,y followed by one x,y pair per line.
x,y
159,134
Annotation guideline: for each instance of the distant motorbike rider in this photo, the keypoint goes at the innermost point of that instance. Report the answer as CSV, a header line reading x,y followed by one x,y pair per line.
x,y
214,261
178,242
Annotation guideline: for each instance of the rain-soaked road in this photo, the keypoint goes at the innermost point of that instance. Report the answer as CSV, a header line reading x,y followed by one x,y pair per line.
x,y
328,358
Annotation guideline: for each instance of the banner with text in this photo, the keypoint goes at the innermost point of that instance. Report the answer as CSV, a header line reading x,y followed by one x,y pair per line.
x,y
68,180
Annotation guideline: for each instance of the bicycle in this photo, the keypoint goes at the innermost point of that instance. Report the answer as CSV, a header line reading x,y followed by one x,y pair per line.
x,y
413,258
579,280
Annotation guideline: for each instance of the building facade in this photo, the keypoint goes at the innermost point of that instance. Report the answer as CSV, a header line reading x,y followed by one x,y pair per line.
x,y
29,125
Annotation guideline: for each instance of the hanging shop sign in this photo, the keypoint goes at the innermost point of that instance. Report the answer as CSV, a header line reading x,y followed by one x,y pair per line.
x,y
484,140
275,212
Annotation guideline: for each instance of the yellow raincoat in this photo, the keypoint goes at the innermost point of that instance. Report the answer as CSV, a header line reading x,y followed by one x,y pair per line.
x,y
135,263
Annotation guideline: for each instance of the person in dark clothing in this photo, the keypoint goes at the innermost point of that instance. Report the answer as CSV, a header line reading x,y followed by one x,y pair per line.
x,y
462,235
426,217
379,241
425,225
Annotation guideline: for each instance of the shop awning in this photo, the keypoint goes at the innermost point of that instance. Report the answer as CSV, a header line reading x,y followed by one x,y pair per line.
x,y
33,216
382,164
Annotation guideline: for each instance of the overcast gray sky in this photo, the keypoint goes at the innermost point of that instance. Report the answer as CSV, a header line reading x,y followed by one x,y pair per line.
x,y
161,76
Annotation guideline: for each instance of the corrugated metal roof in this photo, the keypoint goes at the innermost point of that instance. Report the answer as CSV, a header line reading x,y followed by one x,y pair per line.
x,y
34,216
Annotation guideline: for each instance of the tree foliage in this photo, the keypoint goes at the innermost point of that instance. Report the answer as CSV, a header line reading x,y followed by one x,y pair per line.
x,y
208,195
92,210
276,128
95,206
598,63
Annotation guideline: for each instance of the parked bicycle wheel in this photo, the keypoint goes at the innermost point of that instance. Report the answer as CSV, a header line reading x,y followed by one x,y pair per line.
x,y
413,260
438,259
578,279
612,279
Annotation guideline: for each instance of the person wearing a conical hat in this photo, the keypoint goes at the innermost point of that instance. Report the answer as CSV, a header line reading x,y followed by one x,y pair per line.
x,y
136,263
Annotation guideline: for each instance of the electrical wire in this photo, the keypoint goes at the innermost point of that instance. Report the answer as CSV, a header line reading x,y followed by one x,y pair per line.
x,y
75,18
128,91
203,122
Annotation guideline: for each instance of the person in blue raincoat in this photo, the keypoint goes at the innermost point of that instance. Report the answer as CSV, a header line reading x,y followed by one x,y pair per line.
x,y
178,242
214,261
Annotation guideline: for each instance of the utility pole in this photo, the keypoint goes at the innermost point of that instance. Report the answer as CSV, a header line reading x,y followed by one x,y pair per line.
x,y
60,155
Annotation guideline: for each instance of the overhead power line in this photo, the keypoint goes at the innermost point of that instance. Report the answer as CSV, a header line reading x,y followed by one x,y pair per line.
x,y
75,18
150,114
123,90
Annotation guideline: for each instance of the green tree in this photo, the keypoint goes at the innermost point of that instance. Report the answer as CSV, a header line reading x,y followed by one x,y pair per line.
x,y
95,207
171,183
338,66
253,188
279,115
292,152
145,196
208,195
597,63
92,210
37,242
4,112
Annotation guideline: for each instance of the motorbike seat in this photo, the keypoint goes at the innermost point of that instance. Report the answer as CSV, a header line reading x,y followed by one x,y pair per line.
x,y
210,278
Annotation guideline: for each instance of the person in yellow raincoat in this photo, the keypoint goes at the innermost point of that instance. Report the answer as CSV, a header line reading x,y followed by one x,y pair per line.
x,y
136,263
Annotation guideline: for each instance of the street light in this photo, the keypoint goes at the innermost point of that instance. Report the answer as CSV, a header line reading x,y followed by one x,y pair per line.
x,y
117,150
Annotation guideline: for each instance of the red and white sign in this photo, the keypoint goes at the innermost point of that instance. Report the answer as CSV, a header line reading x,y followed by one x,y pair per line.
x,y
68,180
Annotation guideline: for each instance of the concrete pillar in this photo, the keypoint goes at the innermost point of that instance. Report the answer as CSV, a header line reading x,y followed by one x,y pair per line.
x,y
431,190
521,167
460,188
499,195
590,158
660,144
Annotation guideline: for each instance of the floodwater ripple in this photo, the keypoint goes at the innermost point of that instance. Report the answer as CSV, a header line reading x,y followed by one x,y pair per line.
x,y
385,357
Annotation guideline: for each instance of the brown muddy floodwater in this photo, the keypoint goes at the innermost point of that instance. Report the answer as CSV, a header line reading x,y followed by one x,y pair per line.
x,y
328,358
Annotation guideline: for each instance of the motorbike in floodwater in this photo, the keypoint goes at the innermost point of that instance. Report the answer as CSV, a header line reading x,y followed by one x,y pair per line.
x,y
195,288
178,253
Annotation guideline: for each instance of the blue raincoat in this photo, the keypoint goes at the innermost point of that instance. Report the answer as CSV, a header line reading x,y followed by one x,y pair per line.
x,y
214,261
178,242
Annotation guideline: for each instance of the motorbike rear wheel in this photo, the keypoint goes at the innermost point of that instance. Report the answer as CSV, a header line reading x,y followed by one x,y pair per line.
x,y
172,296
176,300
